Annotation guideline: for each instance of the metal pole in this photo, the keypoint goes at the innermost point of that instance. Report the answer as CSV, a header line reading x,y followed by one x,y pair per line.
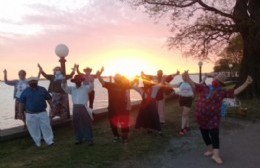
x,y
63,68
200,78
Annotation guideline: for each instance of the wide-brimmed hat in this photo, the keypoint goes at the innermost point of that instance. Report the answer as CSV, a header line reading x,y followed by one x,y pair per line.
x,y
78,78
32,79
221,78
87,69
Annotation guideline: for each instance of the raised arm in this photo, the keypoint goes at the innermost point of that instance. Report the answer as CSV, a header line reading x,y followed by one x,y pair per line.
x,y
169,78
11,82
77,69
241,88
43,73
98,74
72,72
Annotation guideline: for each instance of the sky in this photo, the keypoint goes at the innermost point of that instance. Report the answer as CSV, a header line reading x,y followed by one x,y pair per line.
x,y
98,33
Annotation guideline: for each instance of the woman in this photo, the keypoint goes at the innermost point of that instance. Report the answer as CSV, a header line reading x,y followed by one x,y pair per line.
x,y
208,108
148,116
185,101
59,97
19,86
81,118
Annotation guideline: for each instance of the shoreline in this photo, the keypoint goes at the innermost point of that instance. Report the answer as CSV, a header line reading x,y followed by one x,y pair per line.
x,y
20,131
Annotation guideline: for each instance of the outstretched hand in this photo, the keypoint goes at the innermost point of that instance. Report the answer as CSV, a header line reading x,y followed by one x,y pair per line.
x,y
39,66
249,80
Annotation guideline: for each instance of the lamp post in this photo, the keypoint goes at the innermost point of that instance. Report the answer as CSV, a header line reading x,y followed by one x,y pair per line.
x,y
230,67
62,51
200,66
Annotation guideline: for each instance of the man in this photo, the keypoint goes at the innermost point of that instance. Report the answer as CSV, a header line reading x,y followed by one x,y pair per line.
x,y
117,105
89,79
81,118
33,102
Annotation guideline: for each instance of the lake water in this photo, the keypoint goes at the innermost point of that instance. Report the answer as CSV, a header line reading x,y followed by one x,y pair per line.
x,y
7,102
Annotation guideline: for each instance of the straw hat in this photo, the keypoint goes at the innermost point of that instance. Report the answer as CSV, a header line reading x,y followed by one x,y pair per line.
x,y
32,79
87,69
221,78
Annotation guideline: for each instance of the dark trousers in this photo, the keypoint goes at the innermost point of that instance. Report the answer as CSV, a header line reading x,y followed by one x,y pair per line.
x,y
119,121
211,137
91,96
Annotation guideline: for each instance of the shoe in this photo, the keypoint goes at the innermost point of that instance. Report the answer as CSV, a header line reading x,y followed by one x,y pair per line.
x,y
90,143
187,129
116,139
78,142
51,144
182,132
125,141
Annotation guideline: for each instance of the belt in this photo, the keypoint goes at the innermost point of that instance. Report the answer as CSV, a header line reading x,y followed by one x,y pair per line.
x,y
34,112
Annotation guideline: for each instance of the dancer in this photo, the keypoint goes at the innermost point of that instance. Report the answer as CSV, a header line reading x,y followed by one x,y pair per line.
x,y
89,78
208,107
185,101
33,102
148,117
59,97
81,118
19,86
118,114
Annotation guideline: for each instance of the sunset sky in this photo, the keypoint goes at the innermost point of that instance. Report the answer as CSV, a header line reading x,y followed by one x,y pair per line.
x,y
98,33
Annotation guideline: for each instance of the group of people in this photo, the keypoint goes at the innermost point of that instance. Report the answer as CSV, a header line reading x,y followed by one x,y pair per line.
x,y
31,100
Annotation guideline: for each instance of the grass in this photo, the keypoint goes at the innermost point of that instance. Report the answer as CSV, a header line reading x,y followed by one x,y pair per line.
x,y
19,153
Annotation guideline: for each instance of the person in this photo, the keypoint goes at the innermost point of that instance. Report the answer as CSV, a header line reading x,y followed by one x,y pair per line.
x,y
118,114
19,86
89,78
33,102
81,117
208,108
185,101
160,97
59,97
148,116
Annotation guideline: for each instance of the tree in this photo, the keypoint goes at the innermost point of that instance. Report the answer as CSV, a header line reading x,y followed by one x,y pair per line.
x,y
202,27
232,54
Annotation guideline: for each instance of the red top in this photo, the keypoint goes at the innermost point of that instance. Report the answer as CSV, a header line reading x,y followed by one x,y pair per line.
x,y
208,105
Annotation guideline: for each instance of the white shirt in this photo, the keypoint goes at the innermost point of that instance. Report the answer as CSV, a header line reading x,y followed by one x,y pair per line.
x,y
78,95
20,87
186,90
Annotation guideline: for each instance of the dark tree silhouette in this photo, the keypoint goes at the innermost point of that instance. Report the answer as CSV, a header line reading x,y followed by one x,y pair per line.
x,y
202,28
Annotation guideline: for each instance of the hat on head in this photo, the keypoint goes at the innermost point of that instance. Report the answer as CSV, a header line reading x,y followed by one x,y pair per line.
x,y
221,78
87,69
78,78
32,79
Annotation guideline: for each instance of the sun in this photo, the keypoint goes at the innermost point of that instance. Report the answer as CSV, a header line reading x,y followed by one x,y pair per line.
x,y
127,66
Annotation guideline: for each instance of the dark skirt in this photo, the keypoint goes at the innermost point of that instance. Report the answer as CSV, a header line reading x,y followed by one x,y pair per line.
x,y
148,116
82,123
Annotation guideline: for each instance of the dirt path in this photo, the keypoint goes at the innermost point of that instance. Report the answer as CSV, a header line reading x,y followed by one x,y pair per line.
x,y
240,148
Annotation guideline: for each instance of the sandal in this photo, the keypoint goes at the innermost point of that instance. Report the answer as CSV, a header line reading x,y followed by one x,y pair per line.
x,y
218,160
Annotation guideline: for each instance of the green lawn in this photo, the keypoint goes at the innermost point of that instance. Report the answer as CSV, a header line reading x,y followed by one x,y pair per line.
x,y
21,152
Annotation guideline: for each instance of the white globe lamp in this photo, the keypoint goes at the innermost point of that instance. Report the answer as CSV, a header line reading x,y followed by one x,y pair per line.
x,y
61,50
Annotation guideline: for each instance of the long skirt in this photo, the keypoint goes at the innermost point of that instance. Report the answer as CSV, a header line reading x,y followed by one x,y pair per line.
x,y
60,105
82,123
148,116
